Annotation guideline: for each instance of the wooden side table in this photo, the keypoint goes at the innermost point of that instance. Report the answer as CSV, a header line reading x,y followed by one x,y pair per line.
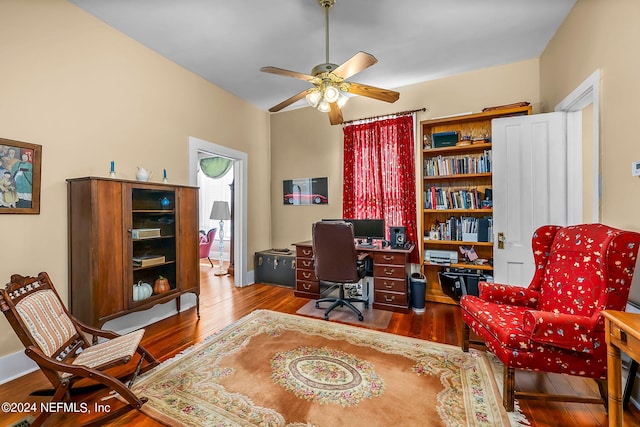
x,y
622,334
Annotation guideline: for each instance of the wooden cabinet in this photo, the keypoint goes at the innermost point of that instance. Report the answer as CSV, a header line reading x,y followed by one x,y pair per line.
x,y
390,281
456,184
125,232
307,284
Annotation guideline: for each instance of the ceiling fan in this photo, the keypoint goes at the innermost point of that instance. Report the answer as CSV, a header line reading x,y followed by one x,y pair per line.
x,y
328,93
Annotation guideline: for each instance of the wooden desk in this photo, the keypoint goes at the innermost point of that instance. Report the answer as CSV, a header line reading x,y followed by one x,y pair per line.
x,y
390,269
622,334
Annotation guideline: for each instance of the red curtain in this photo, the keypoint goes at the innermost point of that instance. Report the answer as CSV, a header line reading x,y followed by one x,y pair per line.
x,y
379,174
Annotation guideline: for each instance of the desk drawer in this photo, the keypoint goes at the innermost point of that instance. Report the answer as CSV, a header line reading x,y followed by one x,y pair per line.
x,y
392,298
305,264
389,285
389,258
389,271
625,341
304,251
306,275
308,286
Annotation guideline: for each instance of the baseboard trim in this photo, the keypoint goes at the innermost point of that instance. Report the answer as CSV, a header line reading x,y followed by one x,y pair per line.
x,y
14,366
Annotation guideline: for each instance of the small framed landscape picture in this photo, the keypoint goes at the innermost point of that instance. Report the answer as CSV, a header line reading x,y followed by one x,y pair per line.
x,y
20,165
305,191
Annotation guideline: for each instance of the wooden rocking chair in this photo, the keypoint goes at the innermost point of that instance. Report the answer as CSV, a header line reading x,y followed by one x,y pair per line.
x,y
58,343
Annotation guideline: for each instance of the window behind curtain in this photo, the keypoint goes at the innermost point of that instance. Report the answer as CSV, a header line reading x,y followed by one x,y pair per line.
x,y
379,174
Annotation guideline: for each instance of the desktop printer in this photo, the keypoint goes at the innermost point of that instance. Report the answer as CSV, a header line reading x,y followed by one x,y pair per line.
x,y
441,257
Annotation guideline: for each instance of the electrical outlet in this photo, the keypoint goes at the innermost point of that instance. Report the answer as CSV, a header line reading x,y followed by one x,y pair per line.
x,y
635,168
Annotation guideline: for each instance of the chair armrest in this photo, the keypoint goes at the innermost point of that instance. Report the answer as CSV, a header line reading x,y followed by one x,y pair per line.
x,y
96,332
508,294
561,330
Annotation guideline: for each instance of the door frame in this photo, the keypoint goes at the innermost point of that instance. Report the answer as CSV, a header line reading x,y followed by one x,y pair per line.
x,y
588,92
240,277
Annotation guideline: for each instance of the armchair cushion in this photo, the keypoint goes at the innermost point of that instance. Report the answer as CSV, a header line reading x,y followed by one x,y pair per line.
x,y
506,321
106,352
46,320
508,294
561,330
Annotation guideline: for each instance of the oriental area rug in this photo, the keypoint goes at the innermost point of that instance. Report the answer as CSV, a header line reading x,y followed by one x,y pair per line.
x,y
275,369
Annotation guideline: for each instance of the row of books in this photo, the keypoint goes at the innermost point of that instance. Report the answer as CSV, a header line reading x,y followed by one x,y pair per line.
x,y
448,198
466,229
457,165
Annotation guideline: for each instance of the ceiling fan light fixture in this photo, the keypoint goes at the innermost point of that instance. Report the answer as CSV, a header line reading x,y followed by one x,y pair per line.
x,y
331,93
342,100
324,107
313,98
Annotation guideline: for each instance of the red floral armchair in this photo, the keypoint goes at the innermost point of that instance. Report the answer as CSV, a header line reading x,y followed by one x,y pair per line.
x,y
554,325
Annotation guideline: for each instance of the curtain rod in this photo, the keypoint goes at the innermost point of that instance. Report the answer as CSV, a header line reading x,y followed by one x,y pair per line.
x,y
402,113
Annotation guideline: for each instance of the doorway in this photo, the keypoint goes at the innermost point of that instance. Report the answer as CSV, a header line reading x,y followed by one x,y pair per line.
x,y
199,147
215,181
583,150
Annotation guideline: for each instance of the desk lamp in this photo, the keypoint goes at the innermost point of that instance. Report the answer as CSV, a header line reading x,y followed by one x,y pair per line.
x,y
220,211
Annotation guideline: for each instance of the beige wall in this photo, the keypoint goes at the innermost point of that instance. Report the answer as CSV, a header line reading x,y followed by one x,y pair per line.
x,y
603,34
89,95
305,145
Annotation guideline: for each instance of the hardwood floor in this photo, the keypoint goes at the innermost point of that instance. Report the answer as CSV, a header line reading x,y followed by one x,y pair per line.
x,y
221,304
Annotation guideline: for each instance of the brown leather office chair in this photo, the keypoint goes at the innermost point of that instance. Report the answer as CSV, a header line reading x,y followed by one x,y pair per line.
x,y
337,262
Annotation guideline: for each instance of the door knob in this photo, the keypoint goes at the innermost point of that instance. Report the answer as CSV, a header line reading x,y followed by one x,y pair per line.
x,y
501,240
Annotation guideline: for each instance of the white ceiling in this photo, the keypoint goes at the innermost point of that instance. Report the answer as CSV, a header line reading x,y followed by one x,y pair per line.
x,y
227,42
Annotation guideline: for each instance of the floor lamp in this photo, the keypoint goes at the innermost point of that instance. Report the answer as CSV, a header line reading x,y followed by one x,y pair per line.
x,y
220,211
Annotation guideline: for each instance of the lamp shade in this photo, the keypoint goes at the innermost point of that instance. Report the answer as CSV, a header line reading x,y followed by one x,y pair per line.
x,y
220,210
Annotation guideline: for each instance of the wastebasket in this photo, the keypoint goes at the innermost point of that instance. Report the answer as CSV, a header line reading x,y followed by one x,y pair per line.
x,y
418,288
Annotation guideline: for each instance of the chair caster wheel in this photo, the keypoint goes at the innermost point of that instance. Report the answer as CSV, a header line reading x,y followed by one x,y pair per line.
x,y
361,318
317,305
326,317
366,305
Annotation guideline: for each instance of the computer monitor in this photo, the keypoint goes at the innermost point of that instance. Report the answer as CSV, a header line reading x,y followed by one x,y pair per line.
x,y
369,229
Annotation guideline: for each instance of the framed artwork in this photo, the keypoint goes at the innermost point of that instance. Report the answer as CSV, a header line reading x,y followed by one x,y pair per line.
x,y
305,191
20,165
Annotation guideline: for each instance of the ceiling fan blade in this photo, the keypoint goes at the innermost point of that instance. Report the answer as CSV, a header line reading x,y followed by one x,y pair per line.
x,y
335,114
373,92
289,101
287,73
358,62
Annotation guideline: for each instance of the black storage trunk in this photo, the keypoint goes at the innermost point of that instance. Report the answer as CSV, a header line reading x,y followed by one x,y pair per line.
x,y
275,267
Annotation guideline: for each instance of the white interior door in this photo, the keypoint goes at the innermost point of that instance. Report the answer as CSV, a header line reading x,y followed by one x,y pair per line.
x,y
529,188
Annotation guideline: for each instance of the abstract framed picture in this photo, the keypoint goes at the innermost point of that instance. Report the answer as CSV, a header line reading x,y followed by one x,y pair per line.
x,y
305,191
20,166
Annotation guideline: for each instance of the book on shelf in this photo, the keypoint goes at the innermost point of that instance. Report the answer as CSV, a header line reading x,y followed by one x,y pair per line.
x,y
145,233
148,260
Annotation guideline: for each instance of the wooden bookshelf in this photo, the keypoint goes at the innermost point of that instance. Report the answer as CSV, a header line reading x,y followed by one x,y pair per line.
x,y
476,126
